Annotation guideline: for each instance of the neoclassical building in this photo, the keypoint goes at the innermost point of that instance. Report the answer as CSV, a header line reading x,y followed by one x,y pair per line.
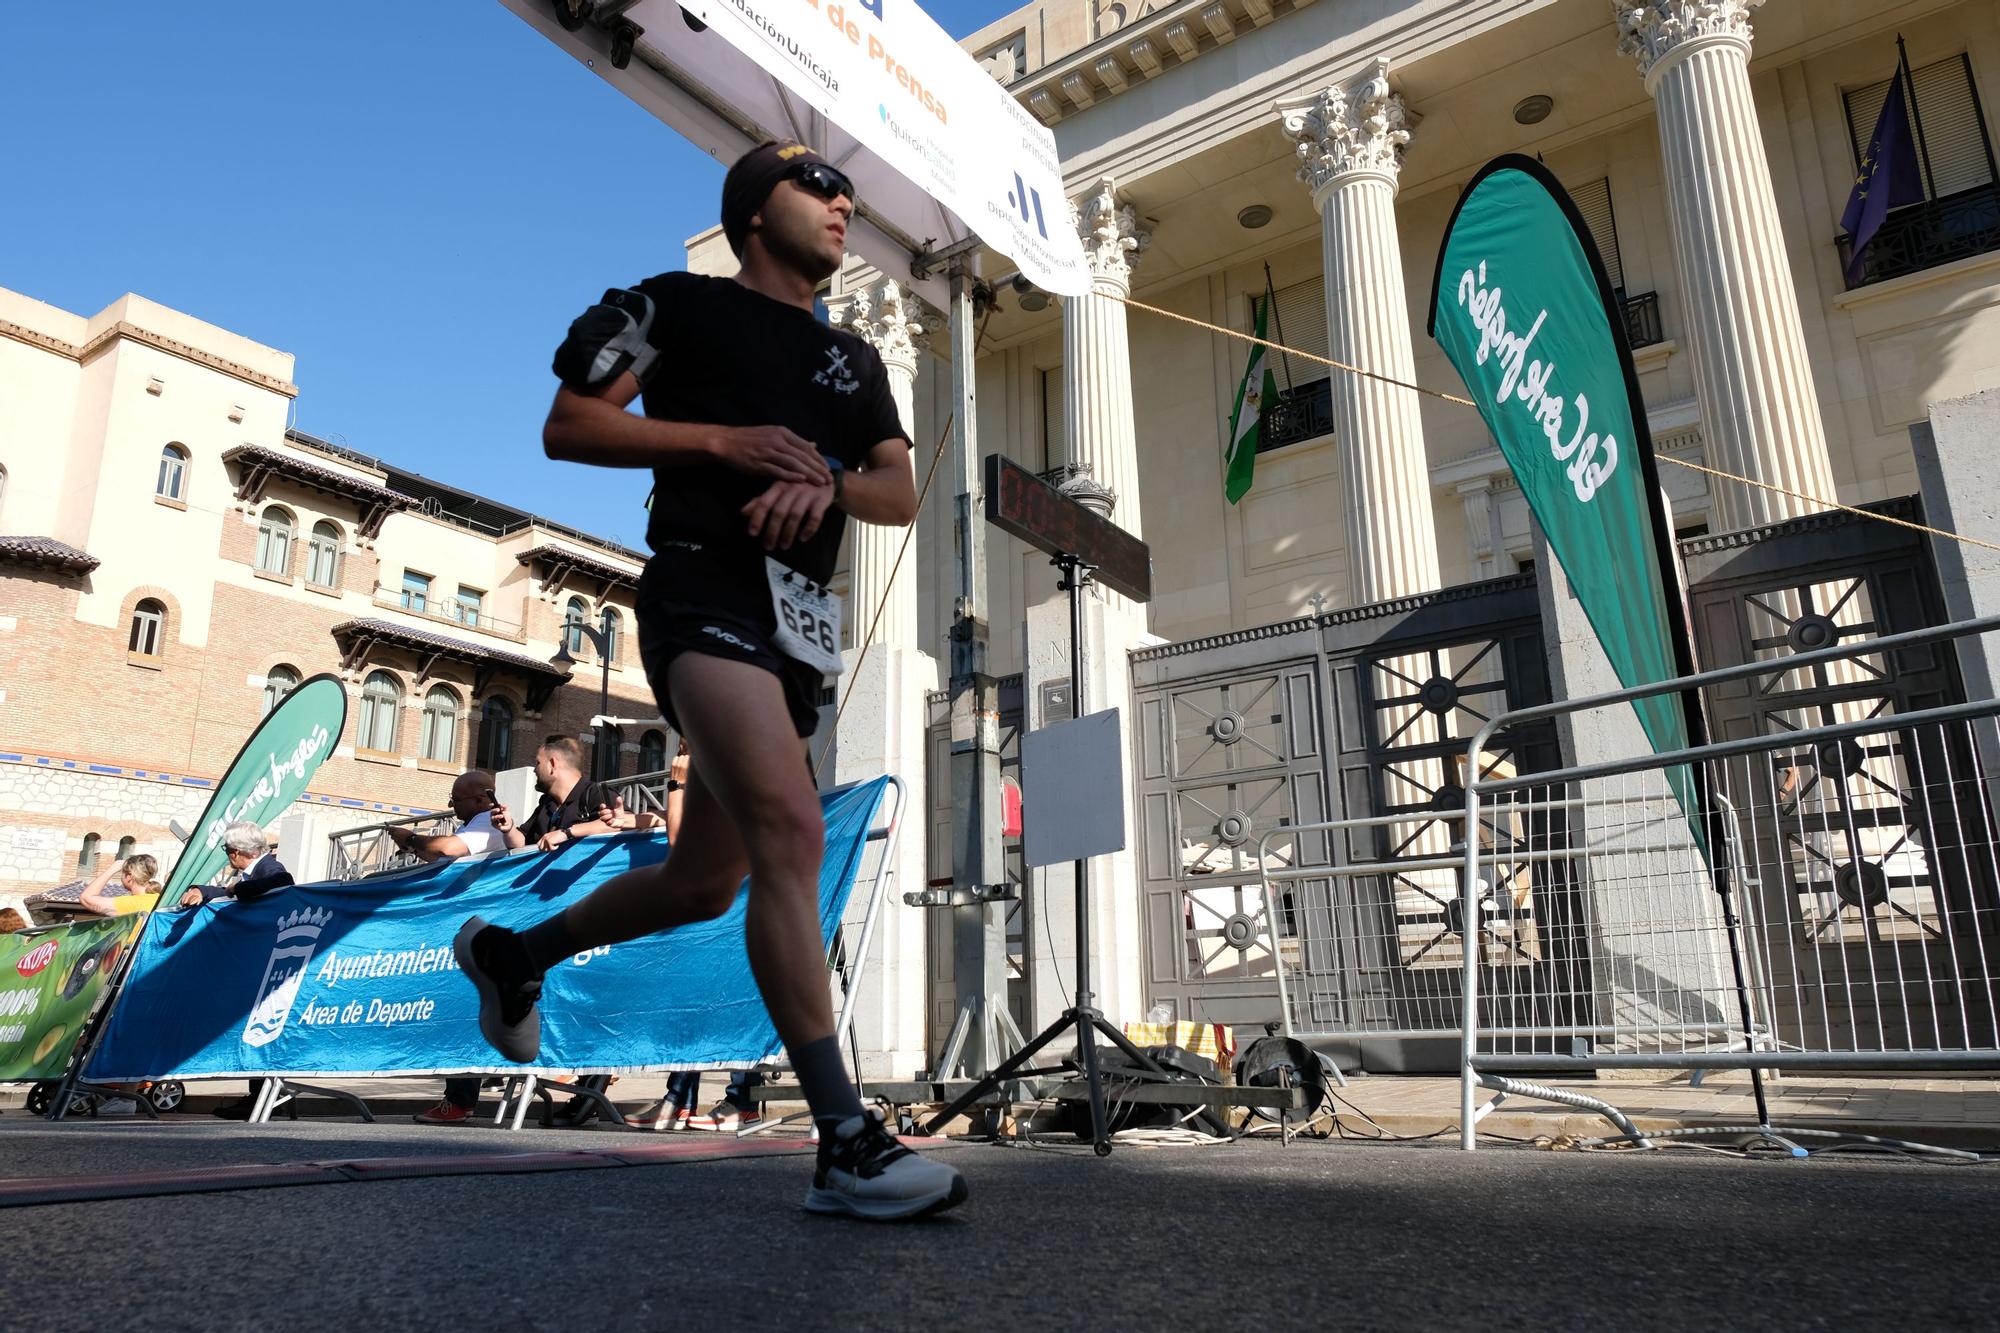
x,y
1215,148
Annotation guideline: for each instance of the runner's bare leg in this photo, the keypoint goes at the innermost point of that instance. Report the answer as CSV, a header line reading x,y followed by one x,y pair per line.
x,y
751,803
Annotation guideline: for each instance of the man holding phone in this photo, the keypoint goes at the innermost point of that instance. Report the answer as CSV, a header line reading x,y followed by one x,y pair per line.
x,y
484,825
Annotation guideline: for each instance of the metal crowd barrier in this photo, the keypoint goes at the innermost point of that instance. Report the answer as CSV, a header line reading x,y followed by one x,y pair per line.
x,y
1843,914
1839,907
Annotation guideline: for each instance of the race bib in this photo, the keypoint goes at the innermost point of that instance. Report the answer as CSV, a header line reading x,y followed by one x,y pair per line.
x,y
808,619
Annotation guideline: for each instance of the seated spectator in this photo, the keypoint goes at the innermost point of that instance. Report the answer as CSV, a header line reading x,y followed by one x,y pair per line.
x,y
569,806
12,920
138,878
258,870
484,824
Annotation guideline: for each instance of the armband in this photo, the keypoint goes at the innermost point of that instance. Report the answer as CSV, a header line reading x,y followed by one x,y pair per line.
x,y
607,340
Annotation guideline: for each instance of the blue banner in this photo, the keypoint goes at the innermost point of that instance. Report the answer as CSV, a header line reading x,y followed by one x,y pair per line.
x,y
359,978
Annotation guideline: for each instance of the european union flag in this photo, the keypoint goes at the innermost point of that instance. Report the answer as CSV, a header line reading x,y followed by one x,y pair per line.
x,y
1889,178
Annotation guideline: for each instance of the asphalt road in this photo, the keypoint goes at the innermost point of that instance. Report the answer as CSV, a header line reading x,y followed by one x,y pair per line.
x,y
1253,1235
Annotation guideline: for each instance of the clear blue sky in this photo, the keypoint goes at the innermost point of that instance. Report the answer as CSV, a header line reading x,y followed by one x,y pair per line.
x,y
415,200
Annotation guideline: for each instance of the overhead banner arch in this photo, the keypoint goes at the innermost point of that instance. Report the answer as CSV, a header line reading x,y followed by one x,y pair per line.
x,y
944,159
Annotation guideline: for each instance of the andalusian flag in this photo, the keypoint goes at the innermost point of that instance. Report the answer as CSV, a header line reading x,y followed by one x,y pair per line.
x,y
1259,387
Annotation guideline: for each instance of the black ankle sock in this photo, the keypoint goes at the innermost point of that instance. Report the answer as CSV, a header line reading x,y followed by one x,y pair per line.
x,y
823,1079
548,943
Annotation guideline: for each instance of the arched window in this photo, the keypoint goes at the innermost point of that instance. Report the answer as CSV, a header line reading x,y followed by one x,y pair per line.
x,y
125,846
172,482
381,700
86,860
496,735
440,738
279,681
323,556
607,624
3,486
604,763
149,628
274,541
573,618
653,752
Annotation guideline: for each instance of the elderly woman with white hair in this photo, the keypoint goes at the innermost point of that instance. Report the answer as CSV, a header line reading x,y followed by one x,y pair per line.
x,y
258,870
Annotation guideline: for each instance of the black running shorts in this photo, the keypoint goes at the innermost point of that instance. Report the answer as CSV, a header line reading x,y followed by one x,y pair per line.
x,y
686,605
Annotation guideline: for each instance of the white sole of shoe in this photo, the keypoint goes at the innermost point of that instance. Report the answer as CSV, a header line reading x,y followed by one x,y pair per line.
x,y
520,1043
835,1203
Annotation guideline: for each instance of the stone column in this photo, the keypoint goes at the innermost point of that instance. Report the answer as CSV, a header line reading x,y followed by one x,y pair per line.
x,y
895,324
1350,140
882,729
1097,353
1740,309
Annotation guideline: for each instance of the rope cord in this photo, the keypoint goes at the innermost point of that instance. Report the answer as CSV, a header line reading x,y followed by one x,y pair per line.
x,y
1820,501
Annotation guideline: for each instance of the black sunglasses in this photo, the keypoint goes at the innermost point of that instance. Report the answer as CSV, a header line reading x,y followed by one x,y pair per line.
x,y
823,181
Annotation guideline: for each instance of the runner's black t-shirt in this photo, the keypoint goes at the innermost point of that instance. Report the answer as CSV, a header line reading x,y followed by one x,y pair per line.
x,y
730,356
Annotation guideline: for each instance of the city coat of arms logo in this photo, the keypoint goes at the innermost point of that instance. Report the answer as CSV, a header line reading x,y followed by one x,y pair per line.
x,y
291,954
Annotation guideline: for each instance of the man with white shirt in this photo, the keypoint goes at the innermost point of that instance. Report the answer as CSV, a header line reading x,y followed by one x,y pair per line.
x,y
484,825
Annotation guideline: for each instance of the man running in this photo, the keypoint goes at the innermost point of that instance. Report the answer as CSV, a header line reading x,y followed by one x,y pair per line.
x,y
765,430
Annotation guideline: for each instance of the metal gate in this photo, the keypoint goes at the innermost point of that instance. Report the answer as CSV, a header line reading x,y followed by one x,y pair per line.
x,y
1348,714
1859,842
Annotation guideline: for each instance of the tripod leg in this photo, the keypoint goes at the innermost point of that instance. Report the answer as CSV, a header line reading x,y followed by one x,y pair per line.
x,y
993,1082
1093,1079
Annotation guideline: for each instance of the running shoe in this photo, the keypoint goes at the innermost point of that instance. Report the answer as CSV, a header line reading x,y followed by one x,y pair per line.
x,y
493,959
445,1113
864,1172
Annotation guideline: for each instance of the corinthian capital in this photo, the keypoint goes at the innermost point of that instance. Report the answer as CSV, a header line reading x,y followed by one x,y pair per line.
x,y
1112,236
1651,30
1360,125
892,321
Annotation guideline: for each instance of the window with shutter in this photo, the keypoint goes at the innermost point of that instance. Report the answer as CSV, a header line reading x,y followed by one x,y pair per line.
x,y
1960,214
1955,153
1593,200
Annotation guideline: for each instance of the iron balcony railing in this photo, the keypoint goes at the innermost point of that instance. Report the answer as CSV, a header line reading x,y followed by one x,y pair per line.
x,y
1929,234
450,612
1642,320
1303,412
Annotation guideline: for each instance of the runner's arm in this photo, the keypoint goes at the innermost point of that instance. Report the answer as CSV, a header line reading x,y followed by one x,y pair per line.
x,y
586,428
885,490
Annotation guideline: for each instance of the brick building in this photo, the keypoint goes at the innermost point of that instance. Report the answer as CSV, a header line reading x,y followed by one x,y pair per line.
x,y
181,559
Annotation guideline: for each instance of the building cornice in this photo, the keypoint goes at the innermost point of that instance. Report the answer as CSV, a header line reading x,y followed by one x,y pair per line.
x,y
559,563
85,353
256,466
1169,37
357,639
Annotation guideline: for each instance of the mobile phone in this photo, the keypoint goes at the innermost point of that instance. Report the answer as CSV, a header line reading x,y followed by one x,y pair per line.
x,y
493,796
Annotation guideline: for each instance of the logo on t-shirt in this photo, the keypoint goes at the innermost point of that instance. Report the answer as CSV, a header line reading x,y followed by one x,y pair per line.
x,y
837,375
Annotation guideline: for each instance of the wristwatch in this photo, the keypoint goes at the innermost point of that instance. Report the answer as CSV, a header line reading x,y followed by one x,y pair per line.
x,y
839,470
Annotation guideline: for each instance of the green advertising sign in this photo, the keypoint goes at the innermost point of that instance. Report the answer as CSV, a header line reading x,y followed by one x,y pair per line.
x,y
1523,309
270,772
49,982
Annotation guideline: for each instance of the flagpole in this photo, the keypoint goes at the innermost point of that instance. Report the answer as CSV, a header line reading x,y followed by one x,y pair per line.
x,y
1271,299
1909,77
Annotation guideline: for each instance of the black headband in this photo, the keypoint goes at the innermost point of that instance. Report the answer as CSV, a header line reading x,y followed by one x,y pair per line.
x,y
751,181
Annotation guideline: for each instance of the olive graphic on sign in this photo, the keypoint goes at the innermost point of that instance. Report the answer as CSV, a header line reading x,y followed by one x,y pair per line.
x,y
50,1040
85,967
